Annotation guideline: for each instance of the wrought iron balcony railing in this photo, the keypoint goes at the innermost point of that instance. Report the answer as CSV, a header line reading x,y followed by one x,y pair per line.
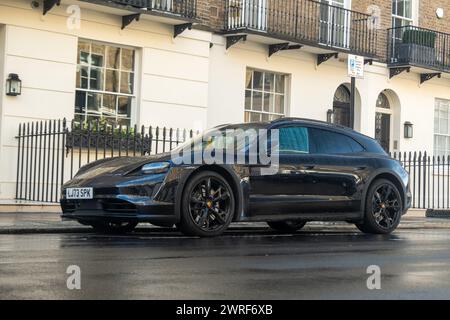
x,y
414,46
304,21
183,8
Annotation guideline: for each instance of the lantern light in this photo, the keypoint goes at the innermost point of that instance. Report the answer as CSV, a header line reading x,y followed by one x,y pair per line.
x,y
330,116
408,130
13,85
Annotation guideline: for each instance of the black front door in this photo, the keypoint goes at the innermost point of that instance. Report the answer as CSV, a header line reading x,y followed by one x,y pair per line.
x,y
341,107
383,130
341,111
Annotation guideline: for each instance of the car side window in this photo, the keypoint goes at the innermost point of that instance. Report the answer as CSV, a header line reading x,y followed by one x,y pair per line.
x,y
328,142
294,140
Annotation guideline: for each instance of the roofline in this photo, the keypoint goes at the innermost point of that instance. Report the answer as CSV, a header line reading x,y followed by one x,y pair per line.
x,y
321,123
311,121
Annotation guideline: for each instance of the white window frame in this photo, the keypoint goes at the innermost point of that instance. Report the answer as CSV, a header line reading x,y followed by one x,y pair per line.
x,y
133,112
414,14
344,4
157,4
245,14
285,94
437,130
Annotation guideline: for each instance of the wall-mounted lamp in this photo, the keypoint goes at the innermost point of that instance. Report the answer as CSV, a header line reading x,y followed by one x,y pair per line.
x,y
330,116
13,85
409,132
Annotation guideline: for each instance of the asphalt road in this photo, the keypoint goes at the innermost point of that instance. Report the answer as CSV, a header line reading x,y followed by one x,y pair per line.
x,y
243,264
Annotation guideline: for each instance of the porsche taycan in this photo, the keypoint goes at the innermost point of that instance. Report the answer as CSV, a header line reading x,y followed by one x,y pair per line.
x,y
322,172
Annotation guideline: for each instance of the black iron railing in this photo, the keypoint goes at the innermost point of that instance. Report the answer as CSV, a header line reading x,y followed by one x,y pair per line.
x,y
430,179
304,21
184,8
419,47
51,152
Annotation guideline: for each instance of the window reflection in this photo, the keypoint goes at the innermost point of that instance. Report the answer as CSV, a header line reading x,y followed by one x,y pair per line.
x,y
105,83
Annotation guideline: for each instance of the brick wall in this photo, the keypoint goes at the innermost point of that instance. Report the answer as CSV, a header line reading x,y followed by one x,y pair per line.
x,y
428,18
211,13
383,9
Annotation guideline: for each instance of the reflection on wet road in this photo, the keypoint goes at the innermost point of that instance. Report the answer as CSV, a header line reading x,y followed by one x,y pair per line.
x,y
242,264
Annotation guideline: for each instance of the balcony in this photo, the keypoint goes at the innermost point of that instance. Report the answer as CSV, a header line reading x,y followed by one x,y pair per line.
x,y
305,22
419,47
177,9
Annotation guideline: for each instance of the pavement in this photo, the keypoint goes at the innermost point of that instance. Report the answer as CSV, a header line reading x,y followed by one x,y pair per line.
x,y
23,223
250,261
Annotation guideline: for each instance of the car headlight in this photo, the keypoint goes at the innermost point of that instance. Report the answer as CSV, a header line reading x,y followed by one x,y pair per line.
x,y
157,167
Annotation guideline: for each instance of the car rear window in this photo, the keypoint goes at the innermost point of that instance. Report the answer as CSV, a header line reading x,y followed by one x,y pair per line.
x,y
329,142
294,140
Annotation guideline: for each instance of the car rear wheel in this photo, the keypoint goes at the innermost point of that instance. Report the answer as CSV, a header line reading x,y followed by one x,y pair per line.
x,y
383,208
110,227
287,226
208,205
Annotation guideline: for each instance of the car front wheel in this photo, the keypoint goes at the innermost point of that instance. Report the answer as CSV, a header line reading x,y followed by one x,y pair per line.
x,y
383,210
208,205
287,226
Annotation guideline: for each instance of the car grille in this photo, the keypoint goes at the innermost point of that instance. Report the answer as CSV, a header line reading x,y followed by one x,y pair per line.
x,y
116,205
106,205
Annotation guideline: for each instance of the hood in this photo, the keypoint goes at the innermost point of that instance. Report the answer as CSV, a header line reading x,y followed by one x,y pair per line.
x,y
118,165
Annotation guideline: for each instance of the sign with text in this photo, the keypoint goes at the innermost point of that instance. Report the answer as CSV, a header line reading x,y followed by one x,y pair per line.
x,y
355,66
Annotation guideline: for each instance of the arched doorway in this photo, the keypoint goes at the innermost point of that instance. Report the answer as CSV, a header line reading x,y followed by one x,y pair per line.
x,y
341,107
387,128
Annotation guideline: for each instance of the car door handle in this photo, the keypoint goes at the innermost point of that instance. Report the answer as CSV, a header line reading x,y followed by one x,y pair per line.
x,y
308,167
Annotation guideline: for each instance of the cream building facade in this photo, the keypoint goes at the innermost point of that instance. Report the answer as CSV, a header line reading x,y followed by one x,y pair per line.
x,y
77,62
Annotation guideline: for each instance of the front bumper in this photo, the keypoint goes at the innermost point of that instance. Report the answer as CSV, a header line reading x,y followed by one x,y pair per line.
x,y
141,198
408,201
117,209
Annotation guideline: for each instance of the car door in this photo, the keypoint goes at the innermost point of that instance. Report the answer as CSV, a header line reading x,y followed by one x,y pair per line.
x,y
288,190
340,167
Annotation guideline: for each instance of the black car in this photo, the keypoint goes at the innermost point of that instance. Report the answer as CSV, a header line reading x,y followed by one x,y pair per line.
x,y
324,173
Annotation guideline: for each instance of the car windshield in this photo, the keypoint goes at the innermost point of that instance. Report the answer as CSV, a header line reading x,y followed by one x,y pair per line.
x,y
235,137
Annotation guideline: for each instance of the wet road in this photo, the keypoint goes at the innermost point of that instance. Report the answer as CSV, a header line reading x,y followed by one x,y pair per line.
x,y
242,264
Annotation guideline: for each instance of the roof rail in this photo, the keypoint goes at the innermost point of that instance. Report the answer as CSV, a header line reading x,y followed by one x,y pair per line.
x,y
281,120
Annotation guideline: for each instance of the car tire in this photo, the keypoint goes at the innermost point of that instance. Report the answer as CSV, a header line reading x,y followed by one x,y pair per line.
x,y
109,227
383,208
207,206
287,226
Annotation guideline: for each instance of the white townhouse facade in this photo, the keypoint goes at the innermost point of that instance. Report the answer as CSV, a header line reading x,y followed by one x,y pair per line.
x,y
197,64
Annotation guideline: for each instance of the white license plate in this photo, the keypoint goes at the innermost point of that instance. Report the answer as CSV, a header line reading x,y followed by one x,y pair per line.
x,y
80,193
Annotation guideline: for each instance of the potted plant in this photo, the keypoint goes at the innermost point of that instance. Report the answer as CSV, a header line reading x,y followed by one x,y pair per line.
x,y
417,46
103,136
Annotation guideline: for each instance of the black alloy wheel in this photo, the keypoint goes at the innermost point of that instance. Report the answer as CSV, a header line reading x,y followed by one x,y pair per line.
x,y
383,208
208,205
